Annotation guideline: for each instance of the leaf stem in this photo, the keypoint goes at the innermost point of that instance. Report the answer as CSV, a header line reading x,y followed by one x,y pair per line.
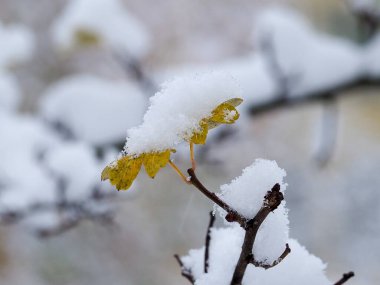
x,y
179,172
193,162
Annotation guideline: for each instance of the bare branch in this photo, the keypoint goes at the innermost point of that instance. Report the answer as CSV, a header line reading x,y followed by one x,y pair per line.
x,y
345,278
232,215
208,239
277,261
184,271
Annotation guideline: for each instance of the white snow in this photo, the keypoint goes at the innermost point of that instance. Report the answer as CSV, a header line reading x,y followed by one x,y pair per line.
x,y
250,71
246,193
315,61
95,110
10,95
25,181
17,44
108,20
362,5
299,267
76,164
175,112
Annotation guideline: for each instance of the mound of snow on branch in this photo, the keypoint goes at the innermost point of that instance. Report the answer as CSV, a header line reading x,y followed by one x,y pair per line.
x,y
246,194
10,95
93,109
311,60
107,21
177,110
17,44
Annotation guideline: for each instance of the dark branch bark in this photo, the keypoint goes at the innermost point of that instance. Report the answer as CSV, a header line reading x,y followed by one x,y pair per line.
x,y
345,278
232,215
271,201
184,271
208,239
277,261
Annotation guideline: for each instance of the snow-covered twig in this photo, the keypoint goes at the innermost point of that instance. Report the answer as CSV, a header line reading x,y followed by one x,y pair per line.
x,y
272,200
336,91
345,278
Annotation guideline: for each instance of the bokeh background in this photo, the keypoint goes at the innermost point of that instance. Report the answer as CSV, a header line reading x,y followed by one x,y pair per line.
x,y
69,92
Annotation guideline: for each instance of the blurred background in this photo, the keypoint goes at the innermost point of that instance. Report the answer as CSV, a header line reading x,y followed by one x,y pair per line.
x,y
75,75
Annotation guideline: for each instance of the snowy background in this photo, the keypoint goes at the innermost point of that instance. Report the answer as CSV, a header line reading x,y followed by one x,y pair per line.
x,y
75,75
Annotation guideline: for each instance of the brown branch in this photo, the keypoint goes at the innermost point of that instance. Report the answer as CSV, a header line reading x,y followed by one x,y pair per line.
x,y
208,239
184,271
272,200
277,261
345,278
232,215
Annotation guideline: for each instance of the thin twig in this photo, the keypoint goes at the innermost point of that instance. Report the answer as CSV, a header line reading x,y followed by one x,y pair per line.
x,y
345,278
208,239
184,271
277,261
232,215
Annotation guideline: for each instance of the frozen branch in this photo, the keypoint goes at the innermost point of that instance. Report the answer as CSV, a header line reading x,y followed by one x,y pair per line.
x,y
282,102
70,214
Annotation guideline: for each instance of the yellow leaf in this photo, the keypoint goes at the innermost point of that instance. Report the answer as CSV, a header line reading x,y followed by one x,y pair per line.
x,y
234,102
154,161
106,173
223,114
85,37
123,172
200,136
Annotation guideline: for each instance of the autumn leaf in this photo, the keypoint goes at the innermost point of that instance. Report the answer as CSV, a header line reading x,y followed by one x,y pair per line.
x,y
86,38
234,102
123,172
200,136
223,114
154,161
